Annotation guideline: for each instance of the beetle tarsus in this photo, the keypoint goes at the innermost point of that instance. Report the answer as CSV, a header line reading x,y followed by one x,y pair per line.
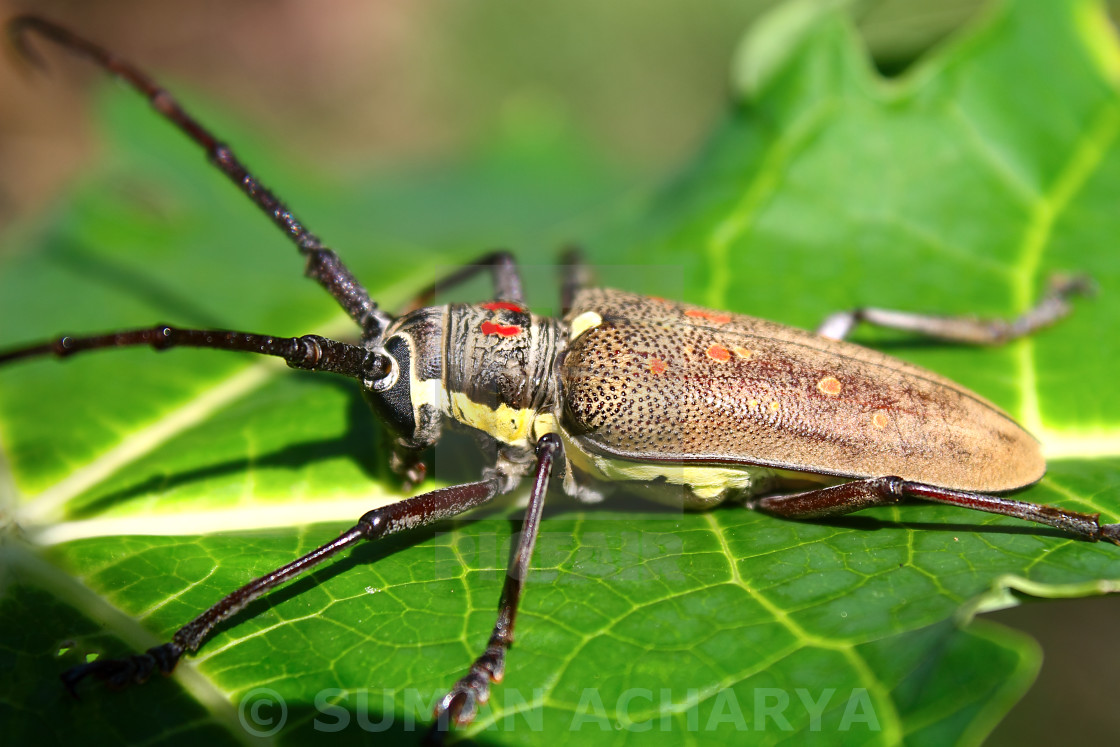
x,y
1110,533
462,701
119,673
969,330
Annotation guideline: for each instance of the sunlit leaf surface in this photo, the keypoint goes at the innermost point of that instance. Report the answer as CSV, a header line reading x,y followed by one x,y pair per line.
x,y
140,488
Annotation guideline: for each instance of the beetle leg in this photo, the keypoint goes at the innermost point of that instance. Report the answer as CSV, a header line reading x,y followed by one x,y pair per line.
x,y
576,276
461,703
378,523
885,491
501,265
323,265
963,329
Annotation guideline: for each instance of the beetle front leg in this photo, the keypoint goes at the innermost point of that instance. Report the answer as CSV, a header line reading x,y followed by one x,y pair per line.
x,y
461,703
885,491
407,514
963,329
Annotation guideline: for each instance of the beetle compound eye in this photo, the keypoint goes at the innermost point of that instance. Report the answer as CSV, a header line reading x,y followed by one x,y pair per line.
x,y
382,372
390,393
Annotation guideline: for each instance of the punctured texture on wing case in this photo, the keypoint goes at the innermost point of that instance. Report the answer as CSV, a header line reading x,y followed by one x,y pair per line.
x,y
662,381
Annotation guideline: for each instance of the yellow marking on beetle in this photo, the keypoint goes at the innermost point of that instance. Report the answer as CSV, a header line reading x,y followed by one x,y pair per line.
x,y
880,420
504,423
752,403
585,321
657,366
707,484
744,353
422,392
775,406
544,423
830,385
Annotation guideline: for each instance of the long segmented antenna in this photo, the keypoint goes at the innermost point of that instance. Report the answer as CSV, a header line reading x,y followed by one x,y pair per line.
x,y
323,265
310,352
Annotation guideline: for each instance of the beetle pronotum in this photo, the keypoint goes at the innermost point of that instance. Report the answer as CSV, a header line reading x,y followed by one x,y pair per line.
x,y
623,389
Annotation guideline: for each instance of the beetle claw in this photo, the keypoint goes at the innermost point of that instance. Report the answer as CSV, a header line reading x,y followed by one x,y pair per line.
x,y
1067,286
119,673
1110,532
462,701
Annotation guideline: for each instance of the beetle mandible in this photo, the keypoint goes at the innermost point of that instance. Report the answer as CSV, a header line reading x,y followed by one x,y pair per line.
x,y
623,389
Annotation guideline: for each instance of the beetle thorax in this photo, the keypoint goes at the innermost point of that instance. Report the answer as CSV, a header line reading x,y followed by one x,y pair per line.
x,y
498,370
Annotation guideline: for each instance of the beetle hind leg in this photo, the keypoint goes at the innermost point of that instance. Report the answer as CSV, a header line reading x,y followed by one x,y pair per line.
x,y
886,491
965,329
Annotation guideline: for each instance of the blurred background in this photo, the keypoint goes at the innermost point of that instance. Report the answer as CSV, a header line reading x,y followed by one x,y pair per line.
x,y
354,87
357,85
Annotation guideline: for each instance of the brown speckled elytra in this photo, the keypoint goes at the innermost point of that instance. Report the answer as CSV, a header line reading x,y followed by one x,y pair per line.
x,y
684,403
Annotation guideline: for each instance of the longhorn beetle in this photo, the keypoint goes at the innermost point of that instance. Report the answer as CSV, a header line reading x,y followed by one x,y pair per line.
x,y
624,388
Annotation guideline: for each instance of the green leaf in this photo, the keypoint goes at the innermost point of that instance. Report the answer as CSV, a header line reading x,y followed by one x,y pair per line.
x,y
140,488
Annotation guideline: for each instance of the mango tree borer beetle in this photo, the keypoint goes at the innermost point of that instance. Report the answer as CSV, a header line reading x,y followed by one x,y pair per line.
x,y
623,389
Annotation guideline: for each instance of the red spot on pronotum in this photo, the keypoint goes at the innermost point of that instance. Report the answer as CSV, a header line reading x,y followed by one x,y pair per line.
x,y
719,353
714,317
657,366
493,328
502,306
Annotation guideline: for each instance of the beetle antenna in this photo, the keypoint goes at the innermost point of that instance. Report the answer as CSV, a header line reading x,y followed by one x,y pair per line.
x,y
310,352
323,265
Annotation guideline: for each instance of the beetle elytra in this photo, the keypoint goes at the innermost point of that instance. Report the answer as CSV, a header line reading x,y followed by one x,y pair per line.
x,y
709,405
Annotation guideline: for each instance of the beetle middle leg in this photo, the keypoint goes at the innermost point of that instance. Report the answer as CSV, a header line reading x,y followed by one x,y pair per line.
x,y
964,329
886,491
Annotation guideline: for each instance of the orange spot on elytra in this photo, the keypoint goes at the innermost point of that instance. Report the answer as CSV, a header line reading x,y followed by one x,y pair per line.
x,y
657,366
880,420
719,353
502,306
775,406
714,317
830,385
743,353
752,403
493,328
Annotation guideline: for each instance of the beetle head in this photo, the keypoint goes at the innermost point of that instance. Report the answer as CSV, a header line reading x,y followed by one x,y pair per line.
x,y
403,385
